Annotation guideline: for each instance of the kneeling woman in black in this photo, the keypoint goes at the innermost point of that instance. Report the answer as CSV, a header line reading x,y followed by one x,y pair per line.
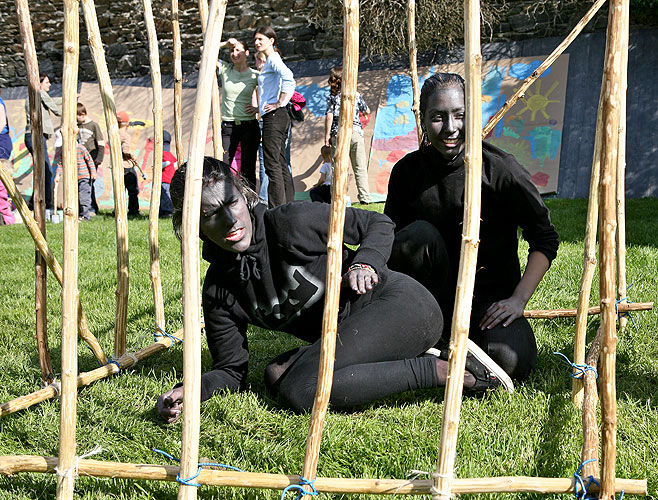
x,y
426,202
267,268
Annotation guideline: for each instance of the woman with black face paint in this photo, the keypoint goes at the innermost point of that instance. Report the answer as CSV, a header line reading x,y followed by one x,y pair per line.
x,y
426,203
268,268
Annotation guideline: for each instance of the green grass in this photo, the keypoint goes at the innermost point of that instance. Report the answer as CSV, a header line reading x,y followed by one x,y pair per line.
x,y
533,432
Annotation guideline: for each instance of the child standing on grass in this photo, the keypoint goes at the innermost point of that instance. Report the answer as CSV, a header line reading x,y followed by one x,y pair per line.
x,y
129,162
321,192
90,136
86,177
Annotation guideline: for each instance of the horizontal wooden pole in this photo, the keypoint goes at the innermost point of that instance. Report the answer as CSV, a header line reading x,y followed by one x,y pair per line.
x,y
622,307
10,465
125,361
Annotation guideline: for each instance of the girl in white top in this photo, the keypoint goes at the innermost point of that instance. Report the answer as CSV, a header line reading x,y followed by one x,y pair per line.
x,y
275,87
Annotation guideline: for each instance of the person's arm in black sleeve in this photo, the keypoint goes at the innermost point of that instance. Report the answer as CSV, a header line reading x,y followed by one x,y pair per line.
x,y
100,145
227,343
534,219
399,189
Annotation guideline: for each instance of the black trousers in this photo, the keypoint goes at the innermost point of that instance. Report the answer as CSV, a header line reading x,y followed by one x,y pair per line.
x,y
420,252
275,131
132,185
379,343
246,134
47,171
380,337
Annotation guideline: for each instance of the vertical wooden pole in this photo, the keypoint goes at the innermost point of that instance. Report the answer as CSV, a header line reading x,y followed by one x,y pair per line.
x,y
621,172
335,239
190,250
67,461
116,164
612,83
178,82
39,185
218,150
469,248
413,66
589,261
156,183
590,448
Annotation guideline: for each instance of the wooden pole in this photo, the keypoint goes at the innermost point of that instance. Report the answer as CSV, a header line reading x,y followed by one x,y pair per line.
x,y
39,186
590,448
154,211
178,82
335,239
116,164
621,173
571,313
612,83
218,150
10,465
190,249
589,259
84,379
413,67
443,482
50,260
67,461
542,67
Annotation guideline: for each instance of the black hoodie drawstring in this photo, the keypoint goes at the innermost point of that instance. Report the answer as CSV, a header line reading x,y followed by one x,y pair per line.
x,y
246,271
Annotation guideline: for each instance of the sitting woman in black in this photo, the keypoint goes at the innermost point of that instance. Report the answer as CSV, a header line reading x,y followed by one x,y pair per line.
x,y
268,267
426,203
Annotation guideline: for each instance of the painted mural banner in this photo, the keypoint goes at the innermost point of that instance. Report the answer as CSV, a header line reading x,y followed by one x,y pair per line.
x,y
531,130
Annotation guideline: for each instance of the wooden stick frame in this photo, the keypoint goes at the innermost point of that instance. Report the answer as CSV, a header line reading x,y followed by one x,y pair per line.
x,y
443,484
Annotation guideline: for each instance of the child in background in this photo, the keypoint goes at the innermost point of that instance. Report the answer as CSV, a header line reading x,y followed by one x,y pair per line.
x,y
168,169
322,190
86,177
90,136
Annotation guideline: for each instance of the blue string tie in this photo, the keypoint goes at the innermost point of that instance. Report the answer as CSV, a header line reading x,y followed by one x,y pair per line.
x,y
189,481
157,336
581,490
302,492
111,361
580,369
626,314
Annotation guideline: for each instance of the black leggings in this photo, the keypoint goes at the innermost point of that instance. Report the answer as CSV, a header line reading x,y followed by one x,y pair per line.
x,y
378,342
420,252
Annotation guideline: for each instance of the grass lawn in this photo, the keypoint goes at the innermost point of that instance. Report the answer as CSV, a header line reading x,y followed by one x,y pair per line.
x,y
534,432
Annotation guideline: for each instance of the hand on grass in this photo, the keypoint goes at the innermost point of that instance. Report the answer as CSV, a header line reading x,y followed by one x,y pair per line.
x,y
505,311
170,405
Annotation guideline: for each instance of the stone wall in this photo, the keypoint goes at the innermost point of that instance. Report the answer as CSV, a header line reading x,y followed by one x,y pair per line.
x,y
122,30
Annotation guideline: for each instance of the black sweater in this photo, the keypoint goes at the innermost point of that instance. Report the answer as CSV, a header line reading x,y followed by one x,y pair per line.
x,y
424,186
279,282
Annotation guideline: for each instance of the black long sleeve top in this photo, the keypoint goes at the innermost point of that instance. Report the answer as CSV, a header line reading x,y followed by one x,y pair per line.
x,y
424,186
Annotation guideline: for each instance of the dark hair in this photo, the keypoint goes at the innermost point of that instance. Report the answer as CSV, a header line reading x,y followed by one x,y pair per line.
x,y
269,33
43,76
335,80
439,81
325,150
214,170
81,108
243,43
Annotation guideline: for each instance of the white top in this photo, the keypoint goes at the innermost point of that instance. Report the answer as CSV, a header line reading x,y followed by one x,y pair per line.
x,y
274,78
327,170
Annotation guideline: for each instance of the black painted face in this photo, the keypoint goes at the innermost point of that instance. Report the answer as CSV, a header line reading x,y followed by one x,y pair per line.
x,y
225,218
444,121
